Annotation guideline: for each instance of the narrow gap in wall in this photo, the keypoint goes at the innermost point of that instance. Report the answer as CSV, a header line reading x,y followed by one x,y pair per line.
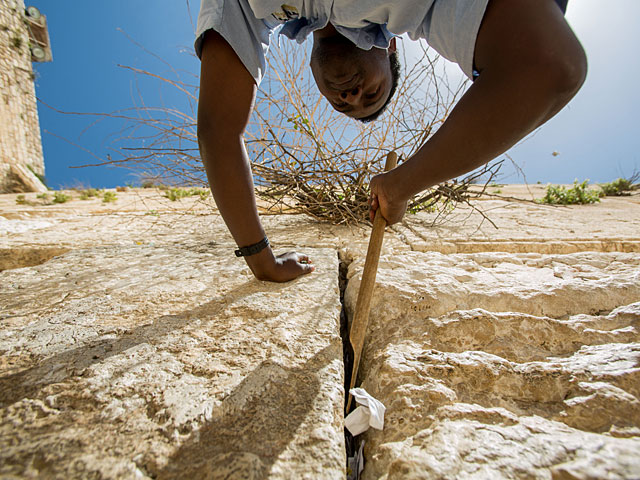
x,y
347,350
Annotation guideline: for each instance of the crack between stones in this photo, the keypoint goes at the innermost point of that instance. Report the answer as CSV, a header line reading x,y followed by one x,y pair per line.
x,y
347,350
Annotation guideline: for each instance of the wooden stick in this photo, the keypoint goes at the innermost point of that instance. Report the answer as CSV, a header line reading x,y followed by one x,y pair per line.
x,y
363,304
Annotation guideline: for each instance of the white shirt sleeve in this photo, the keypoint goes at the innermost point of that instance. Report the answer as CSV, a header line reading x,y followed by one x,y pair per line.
x,y
247,35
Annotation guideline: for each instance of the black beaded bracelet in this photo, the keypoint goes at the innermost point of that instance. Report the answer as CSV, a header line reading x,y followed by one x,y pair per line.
x,y
253,249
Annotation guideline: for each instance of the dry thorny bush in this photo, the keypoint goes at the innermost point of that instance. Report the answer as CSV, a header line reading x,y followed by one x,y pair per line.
x,y
306,158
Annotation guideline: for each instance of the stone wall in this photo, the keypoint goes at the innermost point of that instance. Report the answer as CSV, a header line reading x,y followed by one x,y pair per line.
x,y
503,365
19,127
135,345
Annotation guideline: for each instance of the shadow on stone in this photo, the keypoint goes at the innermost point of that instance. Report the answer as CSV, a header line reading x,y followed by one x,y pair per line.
x,y
11,258
260,366
254,424
57,368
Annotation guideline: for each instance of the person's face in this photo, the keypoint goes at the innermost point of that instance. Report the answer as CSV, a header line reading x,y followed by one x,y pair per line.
x,y
356,82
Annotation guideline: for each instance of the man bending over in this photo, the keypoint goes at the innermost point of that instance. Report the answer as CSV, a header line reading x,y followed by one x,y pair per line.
x,y
524,59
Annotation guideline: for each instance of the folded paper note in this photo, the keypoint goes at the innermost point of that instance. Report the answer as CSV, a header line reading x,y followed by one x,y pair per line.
x,y
370,413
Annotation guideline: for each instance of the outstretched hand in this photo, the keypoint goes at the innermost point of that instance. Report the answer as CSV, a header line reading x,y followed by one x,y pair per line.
x,y
285,267
392,209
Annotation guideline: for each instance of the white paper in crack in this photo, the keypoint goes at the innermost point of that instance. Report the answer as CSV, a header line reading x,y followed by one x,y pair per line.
x,y
370,413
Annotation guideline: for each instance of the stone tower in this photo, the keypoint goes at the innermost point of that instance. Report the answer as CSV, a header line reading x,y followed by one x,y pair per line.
x,y
23,39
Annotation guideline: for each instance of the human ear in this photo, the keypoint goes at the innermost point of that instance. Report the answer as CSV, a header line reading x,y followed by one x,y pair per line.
x,y
392,45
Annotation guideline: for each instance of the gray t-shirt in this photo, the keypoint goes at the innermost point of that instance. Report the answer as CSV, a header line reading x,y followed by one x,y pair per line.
x,y
449,26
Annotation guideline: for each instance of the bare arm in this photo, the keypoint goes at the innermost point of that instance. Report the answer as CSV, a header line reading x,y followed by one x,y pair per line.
x,y
227,93
531,65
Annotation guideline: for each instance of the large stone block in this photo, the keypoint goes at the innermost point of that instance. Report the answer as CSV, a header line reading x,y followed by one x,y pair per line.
x,y
503,365
169,362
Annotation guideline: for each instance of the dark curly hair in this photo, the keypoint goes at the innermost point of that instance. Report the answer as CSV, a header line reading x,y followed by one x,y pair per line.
x,y
394,64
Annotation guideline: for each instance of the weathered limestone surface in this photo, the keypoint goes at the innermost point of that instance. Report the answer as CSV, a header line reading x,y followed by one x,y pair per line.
x,y
499,365
169,362
133,344
525,226
145,215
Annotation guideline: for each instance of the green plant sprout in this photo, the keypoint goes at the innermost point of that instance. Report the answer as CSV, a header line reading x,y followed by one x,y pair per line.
x,y
109,197
174,194
619,187
89,193
44,197
61,197
578,194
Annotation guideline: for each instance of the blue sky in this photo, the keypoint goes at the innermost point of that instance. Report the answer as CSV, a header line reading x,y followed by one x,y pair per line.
x,y
596,135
